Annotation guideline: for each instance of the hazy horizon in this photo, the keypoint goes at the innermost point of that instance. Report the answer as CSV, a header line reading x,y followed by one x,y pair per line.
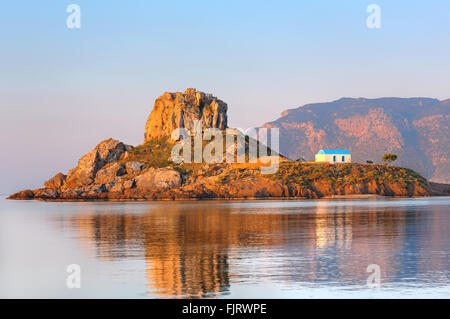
x,y
65,90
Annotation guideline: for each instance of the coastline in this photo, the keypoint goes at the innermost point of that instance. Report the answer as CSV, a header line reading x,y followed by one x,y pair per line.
x,y
237,199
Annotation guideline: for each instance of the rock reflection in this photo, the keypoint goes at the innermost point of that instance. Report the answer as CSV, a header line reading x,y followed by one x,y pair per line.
x,y
199,249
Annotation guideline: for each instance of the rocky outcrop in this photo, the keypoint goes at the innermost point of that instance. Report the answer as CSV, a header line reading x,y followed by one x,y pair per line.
x,y
181,110
159,178
109,173
133,167
25,194
46,193
106,152
56,181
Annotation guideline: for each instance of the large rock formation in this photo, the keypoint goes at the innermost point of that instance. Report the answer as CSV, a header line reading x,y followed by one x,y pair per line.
x,y
416,129
181,110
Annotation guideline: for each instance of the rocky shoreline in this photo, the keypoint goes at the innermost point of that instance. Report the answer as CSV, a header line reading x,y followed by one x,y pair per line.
x,y
133,181
181,195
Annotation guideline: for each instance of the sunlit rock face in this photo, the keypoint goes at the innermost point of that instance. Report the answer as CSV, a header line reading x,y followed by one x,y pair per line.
x,y
182,110
105,152
56,181
160,177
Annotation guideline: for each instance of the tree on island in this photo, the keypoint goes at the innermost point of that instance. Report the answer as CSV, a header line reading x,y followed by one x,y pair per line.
x,y
389,158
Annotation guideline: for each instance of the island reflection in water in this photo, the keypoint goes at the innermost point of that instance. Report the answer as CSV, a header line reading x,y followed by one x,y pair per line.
x,y
203,249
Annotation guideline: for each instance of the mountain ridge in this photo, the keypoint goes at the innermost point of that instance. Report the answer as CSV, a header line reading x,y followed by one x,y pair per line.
x,y
416,128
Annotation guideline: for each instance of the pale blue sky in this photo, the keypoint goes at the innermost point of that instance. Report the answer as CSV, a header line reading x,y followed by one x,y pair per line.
x,y
64,90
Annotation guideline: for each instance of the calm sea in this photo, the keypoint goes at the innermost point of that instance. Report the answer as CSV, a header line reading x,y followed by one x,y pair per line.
x,y
227,249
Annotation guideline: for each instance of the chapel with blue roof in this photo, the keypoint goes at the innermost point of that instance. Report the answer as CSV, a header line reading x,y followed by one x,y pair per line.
x,y
334,156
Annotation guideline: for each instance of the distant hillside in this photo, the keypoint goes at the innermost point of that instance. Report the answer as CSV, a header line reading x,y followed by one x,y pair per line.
x,y
416,129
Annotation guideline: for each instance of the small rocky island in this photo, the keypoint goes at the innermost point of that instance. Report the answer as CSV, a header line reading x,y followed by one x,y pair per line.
x,y
116,171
